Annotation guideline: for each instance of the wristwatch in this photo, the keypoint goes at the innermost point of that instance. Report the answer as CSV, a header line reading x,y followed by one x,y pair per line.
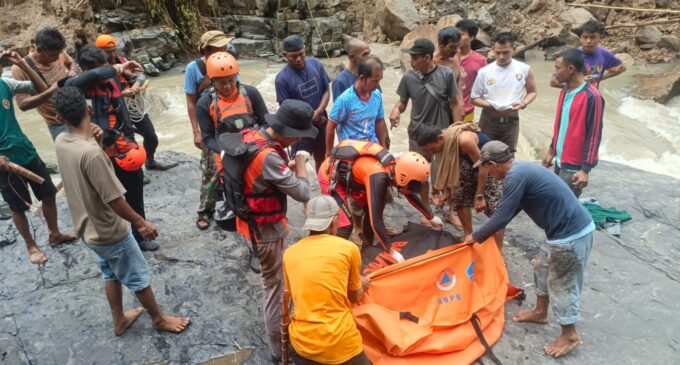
x,y
479,197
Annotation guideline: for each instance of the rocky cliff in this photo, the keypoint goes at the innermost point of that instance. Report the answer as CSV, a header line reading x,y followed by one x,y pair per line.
x,y
260,24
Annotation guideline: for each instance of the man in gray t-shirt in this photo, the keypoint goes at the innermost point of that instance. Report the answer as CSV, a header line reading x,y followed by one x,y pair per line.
x,y
433,91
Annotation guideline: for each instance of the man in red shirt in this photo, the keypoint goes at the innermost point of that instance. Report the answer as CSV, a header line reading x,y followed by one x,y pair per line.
x,y
470,62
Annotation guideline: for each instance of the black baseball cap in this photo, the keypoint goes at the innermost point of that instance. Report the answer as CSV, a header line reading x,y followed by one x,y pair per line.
x,y
293,43
495,151
420,46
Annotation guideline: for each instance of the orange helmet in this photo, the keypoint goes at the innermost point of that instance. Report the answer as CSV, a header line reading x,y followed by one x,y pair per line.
x,y
409,167
221,64
105,41
133,159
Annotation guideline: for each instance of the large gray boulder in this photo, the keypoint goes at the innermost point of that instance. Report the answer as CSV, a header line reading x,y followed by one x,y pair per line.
x,y
658,87
560,35
448,21
671,42
577,17
397,17
428,31
388,54
485,19
648,34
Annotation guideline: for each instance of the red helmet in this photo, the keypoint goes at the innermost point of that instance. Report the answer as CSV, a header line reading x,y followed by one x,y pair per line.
x,y
409,167
133,159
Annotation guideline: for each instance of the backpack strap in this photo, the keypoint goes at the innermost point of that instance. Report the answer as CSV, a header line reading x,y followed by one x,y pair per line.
x,y
249,103
32,65
216,105
201,66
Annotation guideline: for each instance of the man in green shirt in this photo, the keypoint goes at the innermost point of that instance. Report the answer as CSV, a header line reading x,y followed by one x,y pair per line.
x,y
17,148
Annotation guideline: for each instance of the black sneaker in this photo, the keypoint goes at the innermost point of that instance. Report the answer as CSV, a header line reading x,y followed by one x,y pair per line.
x,y
148,246
146,180
155,165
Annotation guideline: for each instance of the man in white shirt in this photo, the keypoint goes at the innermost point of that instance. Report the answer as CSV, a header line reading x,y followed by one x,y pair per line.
x,y
502,89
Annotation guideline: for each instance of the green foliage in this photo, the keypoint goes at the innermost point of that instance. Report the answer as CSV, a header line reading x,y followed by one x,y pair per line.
x,y
181,15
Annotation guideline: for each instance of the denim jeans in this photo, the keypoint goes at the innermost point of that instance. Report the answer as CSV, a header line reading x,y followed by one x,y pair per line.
x,y
558,272
123,261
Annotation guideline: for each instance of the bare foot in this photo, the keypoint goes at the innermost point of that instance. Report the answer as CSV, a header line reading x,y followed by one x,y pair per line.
x,y
425,222
60,238
36,256
356,238
452,218
530,316
391,230
128,319
171,324
562,345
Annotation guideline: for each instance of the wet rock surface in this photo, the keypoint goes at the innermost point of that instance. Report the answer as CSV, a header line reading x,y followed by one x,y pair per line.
x,y
58,314
660,87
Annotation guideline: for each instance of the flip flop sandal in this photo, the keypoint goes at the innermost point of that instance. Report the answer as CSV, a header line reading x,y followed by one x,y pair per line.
x,y
203,222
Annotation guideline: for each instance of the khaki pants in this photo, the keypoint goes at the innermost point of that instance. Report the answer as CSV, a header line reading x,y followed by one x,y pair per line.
x,y
271,273
504,131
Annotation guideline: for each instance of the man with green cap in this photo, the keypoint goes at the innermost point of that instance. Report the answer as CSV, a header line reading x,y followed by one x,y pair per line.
x,y
195,82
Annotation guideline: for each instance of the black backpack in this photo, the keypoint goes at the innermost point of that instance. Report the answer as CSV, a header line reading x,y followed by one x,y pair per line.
x,y
236,157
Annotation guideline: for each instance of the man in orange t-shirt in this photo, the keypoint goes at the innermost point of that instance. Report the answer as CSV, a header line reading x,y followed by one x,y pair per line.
x,y
322,276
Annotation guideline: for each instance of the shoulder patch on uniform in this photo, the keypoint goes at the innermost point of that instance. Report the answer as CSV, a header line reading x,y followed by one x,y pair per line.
x,y
5,104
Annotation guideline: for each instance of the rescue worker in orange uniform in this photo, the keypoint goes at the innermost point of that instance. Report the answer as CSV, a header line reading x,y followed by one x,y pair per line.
x,y
365,171
258,179
103,92
229,106
132,86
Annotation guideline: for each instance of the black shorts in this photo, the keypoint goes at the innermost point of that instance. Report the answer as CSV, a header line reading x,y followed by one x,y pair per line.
x,y
15,191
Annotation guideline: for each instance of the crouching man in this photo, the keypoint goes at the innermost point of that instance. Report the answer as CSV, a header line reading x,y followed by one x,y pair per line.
x,y
322,276
562,258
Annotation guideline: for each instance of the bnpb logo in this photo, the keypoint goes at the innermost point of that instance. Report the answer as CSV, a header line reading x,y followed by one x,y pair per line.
x,y
446,280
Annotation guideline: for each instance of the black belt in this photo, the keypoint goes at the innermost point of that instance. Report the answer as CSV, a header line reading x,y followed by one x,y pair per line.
x,y
504,120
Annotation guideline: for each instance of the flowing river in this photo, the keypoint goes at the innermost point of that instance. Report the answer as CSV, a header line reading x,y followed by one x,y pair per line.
x,y
642,134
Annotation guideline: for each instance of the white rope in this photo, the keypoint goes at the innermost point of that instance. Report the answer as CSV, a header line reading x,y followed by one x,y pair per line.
x,y
138,106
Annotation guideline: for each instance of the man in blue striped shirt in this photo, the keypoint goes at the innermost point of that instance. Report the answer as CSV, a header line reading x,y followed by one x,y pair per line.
x,y
358,112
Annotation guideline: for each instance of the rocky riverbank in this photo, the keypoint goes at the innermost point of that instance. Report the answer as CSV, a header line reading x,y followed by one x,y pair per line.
x,y
58,314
